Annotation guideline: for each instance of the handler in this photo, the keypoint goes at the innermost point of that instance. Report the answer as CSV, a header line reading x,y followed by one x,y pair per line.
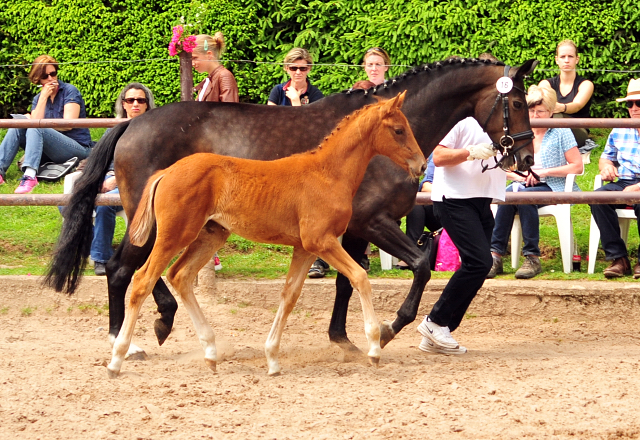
x,y
462,196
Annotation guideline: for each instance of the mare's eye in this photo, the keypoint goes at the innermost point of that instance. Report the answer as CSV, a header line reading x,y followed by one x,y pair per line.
x,y
517,104
399,131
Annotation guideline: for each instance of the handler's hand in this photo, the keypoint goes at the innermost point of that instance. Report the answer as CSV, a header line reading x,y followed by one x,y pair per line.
x,y
608,173
480,151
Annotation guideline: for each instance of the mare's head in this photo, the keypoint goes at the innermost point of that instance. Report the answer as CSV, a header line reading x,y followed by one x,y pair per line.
x,y
502,111
391,135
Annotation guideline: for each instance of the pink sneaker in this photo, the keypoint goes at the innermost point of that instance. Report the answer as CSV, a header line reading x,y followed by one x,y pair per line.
x,y
26,185
1,180
217,263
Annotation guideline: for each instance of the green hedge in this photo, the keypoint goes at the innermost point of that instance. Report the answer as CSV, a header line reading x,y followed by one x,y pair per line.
x,y
336,31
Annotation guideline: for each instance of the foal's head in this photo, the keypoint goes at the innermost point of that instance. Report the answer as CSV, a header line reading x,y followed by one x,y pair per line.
x,y
391,136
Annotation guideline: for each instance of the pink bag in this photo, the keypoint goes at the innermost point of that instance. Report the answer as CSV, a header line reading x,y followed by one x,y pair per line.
x,y
447,258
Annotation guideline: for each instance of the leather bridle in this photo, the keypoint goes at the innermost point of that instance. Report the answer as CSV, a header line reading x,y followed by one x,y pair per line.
x,y
507,141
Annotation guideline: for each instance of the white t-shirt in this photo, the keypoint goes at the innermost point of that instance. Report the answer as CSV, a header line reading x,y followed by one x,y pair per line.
x,y
466,180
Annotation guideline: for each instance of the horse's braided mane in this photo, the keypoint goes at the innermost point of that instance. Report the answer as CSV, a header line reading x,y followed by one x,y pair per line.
x,y
425,68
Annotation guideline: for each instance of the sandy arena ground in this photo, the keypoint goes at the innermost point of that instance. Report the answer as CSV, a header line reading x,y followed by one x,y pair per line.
x,y
561,367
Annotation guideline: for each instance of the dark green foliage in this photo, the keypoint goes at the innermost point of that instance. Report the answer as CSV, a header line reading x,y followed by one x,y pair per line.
x,y
413,32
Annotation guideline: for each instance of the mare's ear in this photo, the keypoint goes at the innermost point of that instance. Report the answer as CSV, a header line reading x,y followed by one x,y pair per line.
x,y
526,69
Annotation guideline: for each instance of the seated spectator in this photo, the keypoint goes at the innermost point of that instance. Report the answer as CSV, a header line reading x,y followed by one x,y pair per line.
x,y
620,159
219,86
298,90
573,91
376,64
134,100
555,155
56,100
421,216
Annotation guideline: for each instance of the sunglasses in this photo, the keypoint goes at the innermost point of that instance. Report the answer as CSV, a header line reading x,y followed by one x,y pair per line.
x,y
53,74
300,68
132,100
630,104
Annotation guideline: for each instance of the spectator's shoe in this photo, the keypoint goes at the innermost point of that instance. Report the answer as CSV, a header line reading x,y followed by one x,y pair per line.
x,y
430,347
530,268
636,270
100,269
318,268
618,268
26,185
440,336
217,265
1,180
365,263
496,268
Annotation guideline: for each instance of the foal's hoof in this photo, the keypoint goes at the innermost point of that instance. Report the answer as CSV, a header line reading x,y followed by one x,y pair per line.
x,y
112,374
211,364
375,361
137,356
162,331
386,333
274,374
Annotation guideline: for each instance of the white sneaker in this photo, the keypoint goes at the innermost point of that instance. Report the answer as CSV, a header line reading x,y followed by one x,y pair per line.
x,y
430,347
440,336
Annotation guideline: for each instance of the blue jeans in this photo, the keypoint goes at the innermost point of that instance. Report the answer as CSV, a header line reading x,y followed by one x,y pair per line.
x,y
36,143
103,228
607,221
529,220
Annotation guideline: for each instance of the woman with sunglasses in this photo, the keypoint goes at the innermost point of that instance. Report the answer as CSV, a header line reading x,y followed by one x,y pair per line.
x,y
298,90
134,100
56,100
220,84
574,92
620,160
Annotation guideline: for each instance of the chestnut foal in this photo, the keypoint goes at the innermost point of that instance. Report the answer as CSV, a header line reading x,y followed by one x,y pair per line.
x,y
304,201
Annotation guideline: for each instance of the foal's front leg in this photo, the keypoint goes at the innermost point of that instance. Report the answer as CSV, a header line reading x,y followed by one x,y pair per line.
x,y
335,255
300,264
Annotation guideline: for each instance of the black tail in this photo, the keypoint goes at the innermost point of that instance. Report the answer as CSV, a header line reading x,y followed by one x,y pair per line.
x,y
74,243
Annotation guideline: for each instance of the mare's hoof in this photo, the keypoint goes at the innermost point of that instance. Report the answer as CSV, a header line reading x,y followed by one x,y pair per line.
x,y
162,331
274,374
350,351
137,356
211,364
386,333
112,374
375,361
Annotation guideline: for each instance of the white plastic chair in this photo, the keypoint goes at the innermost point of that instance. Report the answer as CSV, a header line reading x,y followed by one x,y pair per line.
x,y
70,180
387,261
624,220
562,214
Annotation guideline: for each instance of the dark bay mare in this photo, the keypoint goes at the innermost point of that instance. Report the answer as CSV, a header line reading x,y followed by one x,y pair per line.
x,y
438,96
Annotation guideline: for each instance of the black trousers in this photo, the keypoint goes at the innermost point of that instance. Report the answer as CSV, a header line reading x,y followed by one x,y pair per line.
x,y
469,223
419,217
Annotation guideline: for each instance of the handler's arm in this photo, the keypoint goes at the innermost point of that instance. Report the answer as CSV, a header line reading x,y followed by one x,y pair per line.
x,y
449,157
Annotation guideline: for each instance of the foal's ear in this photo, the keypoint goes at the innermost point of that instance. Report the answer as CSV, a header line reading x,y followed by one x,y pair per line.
x,y
526,69
394,103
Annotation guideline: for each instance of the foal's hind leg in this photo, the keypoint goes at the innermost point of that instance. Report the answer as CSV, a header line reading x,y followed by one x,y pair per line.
x,y
182,275
336,256
143,283
300,264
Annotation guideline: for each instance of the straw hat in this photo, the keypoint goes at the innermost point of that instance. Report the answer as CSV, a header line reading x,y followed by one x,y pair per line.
x,y
633,91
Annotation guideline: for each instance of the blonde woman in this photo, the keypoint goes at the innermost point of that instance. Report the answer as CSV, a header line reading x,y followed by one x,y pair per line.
x,y
572,90
298,90
555,155
376,64
220,85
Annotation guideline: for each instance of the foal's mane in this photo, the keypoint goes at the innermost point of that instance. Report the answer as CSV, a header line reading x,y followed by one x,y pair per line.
x,y
429,68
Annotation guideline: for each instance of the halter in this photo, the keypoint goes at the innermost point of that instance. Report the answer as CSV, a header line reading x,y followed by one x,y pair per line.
x,y
507,141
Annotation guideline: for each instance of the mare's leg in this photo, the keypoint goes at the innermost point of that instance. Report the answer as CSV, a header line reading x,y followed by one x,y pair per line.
x,y
120,269
300,264
182,275
143,283
385,233
355,247
332,252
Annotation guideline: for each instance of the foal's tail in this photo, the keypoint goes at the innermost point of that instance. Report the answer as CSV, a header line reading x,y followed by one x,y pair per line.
x,y
74,243
145,217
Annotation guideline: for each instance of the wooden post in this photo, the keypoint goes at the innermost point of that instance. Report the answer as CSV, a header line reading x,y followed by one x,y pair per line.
x,y
186,77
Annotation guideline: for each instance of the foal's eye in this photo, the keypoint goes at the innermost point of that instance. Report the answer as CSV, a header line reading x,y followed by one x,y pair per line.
x,y
517,104
399,131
